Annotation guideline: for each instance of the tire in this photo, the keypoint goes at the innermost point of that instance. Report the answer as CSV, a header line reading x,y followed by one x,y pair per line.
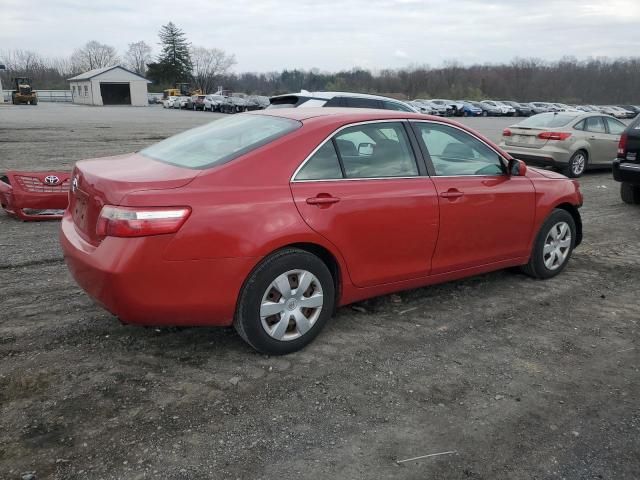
x,y
630,193
485,113
269,334
465,113
577,164
542,267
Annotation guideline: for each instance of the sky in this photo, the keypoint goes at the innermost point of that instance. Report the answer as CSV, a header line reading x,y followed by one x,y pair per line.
x,y
269,35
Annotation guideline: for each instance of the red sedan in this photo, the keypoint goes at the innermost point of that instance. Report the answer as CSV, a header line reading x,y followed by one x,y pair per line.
x,y
270,220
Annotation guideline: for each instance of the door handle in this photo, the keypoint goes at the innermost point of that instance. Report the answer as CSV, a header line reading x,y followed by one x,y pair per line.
x,y
322,200
452,193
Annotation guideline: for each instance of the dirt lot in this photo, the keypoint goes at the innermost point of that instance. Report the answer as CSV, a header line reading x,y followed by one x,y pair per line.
x,y
519,378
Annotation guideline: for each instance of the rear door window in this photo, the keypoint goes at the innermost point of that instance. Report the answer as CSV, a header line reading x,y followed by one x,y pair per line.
x,y
594,125
377,150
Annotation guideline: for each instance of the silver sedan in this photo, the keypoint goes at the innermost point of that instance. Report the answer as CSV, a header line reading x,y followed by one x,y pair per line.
x,y
569,141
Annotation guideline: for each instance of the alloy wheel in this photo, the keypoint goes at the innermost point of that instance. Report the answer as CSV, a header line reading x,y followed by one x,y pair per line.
x,y
578,164
557,245
291,305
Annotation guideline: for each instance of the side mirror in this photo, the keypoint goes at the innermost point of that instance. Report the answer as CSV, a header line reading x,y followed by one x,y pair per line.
x,y
517,168
365,148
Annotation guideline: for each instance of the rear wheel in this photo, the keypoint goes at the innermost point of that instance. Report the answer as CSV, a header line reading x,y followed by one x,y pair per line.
x,y
485,113
630,193
577,164
285,302
553,246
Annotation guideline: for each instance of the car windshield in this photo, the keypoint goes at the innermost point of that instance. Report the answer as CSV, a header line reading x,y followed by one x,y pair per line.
x,y
220,141
547,120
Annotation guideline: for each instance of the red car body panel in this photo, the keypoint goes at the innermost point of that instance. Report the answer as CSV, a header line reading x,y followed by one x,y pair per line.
x,y
25,195
384,235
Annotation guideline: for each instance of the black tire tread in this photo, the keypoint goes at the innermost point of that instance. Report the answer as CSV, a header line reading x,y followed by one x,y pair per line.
x,y
630,193
533,268
265,264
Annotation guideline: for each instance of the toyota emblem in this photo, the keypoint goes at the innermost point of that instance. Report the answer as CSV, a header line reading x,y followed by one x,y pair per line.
x,y
74,184
51,180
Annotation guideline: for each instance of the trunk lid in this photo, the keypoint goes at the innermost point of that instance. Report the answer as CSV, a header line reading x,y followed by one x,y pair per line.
x,y
525,137
108,180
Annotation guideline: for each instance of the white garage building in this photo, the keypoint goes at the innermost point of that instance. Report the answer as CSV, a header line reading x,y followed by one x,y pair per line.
x,y
109,86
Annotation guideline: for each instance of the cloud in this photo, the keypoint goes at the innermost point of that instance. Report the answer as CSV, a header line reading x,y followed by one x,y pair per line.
x,y
274,34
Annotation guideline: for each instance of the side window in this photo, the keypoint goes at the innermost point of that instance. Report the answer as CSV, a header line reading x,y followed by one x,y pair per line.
x,y
579,125
394,106
594,124
376,150
324,165
615,127
357,102
335,102
454,152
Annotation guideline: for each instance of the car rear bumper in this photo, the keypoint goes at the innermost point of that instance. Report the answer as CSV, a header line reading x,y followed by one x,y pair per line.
x,y
130,278
540,157
626,172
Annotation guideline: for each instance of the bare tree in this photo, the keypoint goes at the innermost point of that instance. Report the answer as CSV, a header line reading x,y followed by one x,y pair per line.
x,y
209,64
94,55
137,57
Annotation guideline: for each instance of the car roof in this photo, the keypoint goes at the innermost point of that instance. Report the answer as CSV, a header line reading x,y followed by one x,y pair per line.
x,y
330,95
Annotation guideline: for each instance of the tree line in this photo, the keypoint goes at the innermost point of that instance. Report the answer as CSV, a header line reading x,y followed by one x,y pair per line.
x,y
178,61
595,81
569,80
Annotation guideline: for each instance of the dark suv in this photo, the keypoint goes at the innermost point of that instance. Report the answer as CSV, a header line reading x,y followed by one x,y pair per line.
x,y
337,99
626,168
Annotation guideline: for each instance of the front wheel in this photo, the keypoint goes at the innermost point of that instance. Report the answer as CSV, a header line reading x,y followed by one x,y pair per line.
x,y
630,193
285,302
577,165
553,246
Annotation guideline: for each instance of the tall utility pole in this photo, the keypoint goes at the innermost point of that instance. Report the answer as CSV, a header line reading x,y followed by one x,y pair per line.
x,y
2,67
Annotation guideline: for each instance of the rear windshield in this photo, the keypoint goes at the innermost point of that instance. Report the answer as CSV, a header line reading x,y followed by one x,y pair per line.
x,y
220,141
547,120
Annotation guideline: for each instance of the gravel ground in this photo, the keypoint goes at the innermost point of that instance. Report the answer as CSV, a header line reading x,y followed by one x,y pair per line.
x,y
518,378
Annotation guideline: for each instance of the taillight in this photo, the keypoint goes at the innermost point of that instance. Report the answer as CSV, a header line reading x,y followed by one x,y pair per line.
x,y
622,146
140,221
554,135
506,132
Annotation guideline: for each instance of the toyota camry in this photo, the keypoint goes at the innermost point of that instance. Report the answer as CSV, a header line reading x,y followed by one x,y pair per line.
x,y
270,220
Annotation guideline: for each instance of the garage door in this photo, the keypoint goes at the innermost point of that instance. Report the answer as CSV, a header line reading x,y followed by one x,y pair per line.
x,y
115,93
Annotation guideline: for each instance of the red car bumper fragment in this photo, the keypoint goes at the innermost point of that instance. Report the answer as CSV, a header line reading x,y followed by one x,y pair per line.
x,y
35,195
116,274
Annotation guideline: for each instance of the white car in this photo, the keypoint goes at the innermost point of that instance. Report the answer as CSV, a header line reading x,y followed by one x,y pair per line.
x,y
181,102
305,99
168,102
503,107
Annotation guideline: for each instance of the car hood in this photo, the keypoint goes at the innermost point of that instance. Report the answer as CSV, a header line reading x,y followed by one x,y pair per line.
x,y
548,173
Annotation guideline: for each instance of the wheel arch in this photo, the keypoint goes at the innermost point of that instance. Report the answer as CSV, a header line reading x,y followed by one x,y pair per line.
x,y
573,211
329,260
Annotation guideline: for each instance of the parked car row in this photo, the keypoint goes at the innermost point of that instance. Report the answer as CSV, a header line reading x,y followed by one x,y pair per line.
x,y
234,103
497,108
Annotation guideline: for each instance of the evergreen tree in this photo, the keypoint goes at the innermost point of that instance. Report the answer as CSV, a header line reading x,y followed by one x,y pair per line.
x,y
174,61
